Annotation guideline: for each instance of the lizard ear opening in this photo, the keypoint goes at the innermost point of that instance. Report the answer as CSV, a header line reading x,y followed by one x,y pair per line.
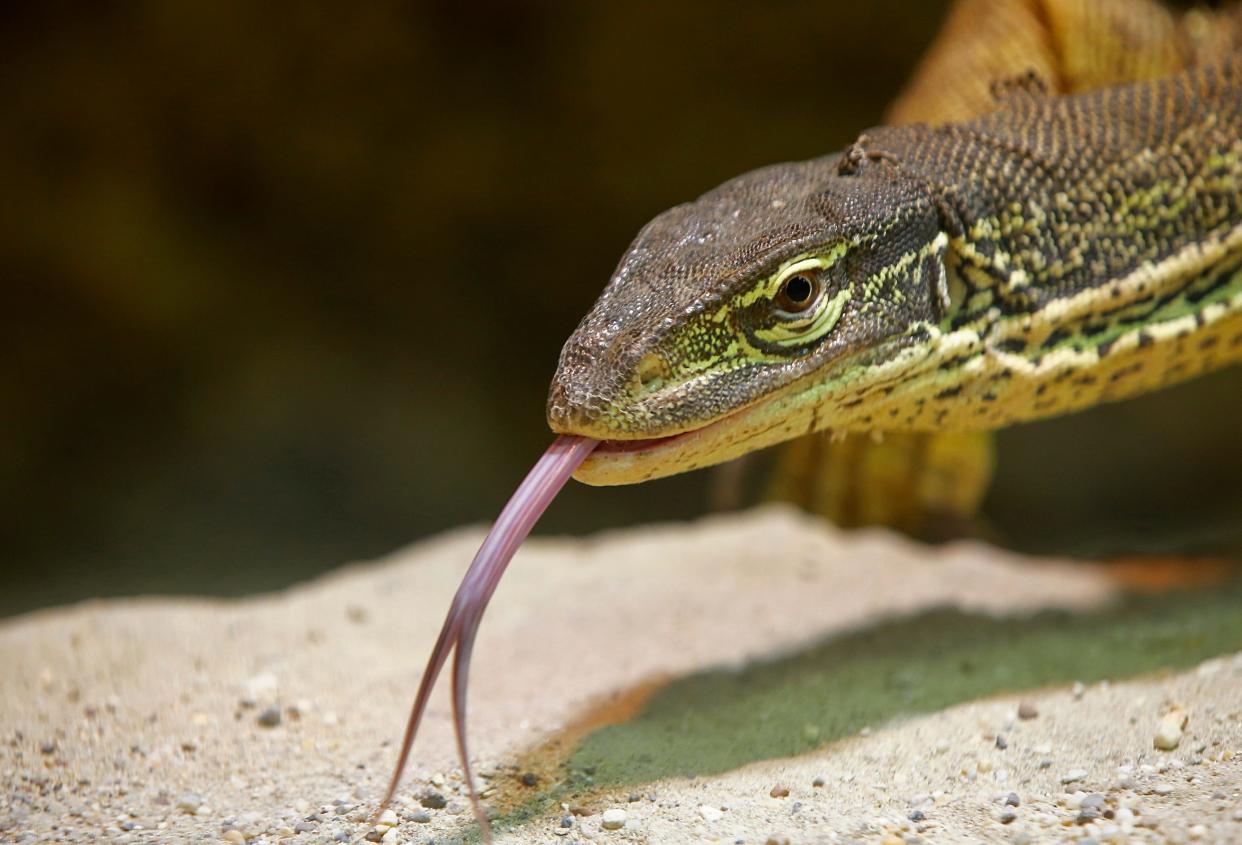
x,y
946,296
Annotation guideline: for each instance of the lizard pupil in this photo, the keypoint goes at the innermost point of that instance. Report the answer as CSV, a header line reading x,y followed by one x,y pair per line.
x,y
796,293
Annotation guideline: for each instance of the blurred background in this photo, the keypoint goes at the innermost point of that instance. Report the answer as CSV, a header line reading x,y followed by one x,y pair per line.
x,y
285,283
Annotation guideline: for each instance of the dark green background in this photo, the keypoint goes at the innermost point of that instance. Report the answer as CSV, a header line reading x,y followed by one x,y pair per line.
x,y
285,283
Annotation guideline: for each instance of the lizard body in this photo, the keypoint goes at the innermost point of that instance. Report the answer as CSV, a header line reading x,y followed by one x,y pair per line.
x,y
1055,253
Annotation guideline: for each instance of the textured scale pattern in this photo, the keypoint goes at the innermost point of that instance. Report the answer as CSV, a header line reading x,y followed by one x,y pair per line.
x,y
989,269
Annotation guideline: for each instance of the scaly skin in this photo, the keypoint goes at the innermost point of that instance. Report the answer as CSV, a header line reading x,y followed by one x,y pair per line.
x,y
1056,253
932,484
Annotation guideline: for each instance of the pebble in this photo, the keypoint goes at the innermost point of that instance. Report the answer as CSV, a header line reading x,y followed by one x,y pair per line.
x,y
613,819
419,817
1087,815
433,800
710,814
47,748
818,782
269,718
1197,831
917,816
1237,815
1027,710
892,839
1093,801
1169,733
1001,742
234,836
1074,775
1013,800
190,803
777,839
779,791
388,818
530,779
1008,816
1163,789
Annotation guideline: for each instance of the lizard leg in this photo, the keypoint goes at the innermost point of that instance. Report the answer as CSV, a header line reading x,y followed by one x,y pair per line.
x,y
927,485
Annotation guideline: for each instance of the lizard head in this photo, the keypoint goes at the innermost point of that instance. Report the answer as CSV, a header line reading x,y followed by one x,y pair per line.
x,y
734,321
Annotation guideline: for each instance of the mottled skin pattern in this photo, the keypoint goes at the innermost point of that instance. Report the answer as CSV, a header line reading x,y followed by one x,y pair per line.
x,y
931,484
1058,252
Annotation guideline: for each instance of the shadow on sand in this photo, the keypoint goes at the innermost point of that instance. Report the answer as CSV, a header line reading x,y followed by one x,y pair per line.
x,y
716,721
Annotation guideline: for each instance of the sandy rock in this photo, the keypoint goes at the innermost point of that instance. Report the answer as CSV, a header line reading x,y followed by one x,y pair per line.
x,y
116,689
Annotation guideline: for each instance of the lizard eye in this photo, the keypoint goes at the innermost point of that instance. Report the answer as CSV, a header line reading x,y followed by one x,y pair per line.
x,y
799,292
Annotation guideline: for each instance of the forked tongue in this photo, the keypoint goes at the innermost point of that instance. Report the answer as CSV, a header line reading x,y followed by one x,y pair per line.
x,y
521,513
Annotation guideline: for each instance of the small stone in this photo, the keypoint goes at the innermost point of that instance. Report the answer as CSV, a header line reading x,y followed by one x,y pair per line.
x,y
1074,775
1008,816
1087,815
1163,789
419,817
613,819
779,791
390,837
190,803
234,836
1001,742
1095,800
777,839
388,818
567,821
1013,800
1237,815
1197,831
530,779
818,782
917,816
433,800
269,718
892,839
47,747
1169,732
304,827
710,814
1027,710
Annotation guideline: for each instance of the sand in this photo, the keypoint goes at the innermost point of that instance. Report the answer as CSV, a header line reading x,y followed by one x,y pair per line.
x,y
749,654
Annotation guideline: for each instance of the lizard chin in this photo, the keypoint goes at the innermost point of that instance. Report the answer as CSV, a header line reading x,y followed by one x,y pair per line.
x,y
616,462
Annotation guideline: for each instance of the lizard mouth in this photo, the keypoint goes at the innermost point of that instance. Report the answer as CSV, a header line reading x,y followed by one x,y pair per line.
x,y
615,462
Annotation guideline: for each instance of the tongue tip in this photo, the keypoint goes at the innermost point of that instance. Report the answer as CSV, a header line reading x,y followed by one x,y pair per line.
x,y
519,515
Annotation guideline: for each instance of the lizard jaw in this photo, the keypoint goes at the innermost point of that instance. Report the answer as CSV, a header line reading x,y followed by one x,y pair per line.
x,y
616,462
